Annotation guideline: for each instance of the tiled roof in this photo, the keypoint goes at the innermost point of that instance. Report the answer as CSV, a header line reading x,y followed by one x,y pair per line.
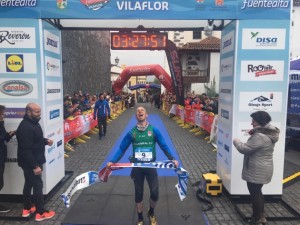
x,y
209,44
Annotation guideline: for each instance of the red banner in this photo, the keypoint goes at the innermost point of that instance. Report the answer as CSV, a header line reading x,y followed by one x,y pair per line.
x,y
78,125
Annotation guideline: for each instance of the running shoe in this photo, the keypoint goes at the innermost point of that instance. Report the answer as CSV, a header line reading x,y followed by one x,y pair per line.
x,y
46,215
140,222
27,212
152,220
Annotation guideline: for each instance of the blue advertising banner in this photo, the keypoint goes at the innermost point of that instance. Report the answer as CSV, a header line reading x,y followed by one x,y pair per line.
x,y
143,9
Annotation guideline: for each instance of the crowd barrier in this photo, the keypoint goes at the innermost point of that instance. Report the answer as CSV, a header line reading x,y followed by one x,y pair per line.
x,y
76,126
192,118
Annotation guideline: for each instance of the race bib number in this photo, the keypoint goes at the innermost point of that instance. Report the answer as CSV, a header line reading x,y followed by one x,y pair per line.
x,y
144,155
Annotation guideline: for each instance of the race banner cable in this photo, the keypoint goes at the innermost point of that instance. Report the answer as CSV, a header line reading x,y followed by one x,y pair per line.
x,y
91,177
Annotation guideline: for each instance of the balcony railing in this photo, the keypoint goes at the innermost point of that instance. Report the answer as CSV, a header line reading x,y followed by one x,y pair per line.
x,y
195,76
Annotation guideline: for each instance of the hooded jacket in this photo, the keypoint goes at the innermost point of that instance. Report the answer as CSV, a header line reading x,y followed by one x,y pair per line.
x,y
31,144
258,154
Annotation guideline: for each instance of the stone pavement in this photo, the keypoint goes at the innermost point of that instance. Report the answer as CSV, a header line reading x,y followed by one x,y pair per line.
x,y
196,155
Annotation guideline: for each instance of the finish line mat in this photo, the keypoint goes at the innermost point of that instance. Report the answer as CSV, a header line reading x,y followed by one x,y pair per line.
x,y
112,203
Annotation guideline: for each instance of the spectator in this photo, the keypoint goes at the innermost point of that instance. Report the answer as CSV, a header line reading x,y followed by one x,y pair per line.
x,y
69,108
31,157
143,138
102,110
258,161
4,138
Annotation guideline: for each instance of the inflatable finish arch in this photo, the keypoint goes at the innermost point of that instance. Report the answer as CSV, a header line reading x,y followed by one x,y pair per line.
x,y
143,70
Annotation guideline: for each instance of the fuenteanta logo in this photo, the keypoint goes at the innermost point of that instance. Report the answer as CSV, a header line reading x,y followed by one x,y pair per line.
x,y
14,63
265,4
18,3
16,87
94,4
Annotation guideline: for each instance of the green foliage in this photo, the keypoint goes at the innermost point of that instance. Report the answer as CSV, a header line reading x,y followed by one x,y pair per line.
x,y
211,89
156,81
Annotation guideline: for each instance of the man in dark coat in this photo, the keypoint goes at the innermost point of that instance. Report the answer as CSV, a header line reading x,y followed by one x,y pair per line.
x,y
31,157
4,138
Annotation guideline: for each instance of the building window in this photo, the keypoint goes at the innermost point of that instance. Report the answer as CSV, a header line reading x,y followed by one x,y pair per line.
x,y
197,34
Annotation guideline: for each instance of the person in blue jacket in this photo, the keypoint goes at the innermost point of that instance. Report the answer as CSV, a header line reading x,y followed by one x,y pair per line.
x,y
102,110
143,138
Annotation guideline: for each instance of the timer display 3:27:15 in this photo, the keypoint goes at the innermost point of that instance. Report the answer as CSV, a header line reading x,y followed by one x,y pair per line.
x,y
142,41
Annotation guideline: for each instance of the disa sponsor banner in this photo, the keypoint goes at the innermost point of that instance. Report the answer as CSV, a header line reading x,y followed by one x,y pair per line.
x,y
51,42
265,101
53,91
17,37
263,39
18,88
18,63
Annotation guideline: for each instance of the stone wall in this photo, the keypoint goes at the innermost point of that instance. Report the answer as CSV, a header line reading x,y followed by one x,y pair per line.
x,y
86,61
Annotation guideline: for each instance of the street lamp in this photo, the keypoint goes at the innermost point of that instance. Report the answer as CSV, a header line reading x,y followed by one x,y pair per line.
x,y
117,60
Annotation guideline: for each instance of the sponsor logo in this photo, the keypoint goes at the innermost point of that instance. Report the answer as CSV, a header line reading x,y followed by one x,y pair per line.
x,y
94,4
220,143
294,76
225,91
80,180
12,37
16,87
265,4
54,114
18,3
261,101
52,148
141,70
50,135
53,91
59,143
226,147
51,66
220,154
51,161
219,2
227,43
224,114
14,63
143,5
52,43
263,38
261,70
225,67
14,113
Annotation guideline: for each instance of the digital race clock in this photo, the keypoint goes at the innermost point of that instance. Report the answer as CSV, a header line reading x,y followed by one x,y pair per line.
x,y
138,41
